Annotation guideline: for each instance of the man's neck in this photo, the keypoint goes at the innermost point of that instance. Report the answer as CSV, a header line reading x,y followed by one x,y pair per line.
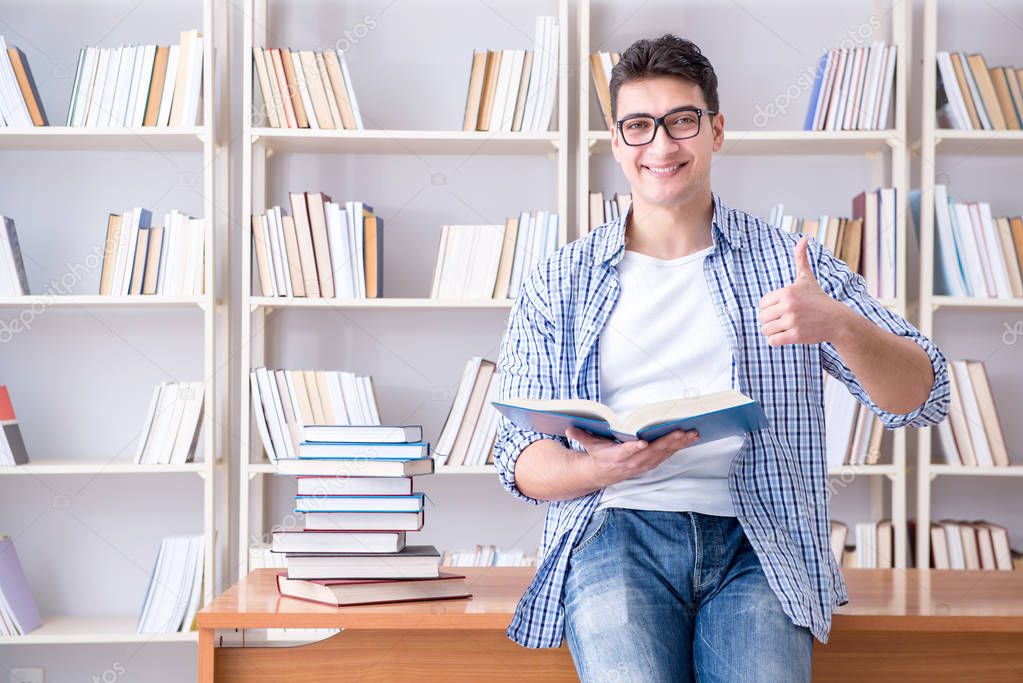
x,y
670,232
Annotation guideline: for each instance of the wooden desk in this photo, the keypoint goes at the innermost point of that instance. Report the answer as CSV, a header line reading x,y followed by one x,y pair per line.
x,y
912,625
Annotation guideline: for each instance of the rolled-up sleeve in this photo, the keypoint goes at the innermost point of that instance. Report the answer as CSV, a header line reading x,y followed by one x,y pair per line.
x,y
526,369
850,288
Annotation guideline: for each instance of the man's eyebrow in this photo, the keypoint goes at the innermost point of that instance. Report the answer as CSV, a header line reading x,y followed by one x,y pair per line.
x,y
643,113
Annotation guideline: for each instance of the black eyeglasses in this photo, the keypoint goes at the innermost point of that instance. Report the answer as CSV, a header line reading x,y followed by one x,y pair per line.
x,y
679,124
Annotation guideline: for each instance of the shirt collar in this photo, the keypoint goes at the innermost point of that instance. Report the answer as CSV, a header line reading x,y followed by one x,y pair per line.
x,y
722,228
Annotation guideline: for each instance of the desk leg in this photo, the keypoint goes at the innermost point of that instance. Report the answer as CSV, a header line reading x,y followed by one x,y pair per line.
x,y
205,655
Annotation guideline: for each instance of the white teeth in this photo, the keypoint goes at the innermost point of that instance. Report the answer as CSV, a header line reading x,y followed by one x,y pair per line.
x,y
664,170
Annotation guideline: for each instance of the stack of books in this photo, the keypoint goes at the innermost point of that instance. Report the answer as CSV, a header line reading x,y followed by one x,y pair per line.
x,y
854,432
514,90
20,106
12,446
171,432
874,545
18,611
601,64
472,422
284,402
852,89
139,85
973,96
867,242
175,587
142,259
13,278
324,250
972,434
487,556
306,89
970,545
977,254
606,210
490,261
352,547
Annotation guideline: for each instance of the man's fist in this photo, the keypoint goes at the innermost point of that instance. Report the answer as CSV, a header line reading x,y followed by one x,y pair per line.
x,y
801,313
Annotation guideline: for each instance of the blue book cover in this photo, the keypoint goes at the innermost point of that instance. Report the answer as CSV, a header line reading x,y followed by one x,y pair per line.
x,y
715,416
815,94
373,451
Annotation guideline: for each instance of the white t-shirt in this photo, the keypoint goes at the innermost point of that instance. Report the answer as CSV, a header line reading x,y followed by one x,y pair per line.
x,y
664,340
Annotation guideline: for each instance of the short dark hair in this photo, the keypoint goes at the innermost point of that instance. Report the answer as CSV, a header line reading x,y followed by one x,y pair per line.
x,y
668,55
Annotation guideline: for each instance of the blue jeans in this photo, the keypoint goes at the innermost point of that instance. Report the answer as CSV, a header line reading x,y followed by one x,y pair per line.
x,y
676,596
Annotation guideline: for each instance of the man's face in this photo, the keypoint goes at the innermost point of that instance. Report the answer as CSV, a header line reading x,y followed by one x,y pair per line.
x,y
666,172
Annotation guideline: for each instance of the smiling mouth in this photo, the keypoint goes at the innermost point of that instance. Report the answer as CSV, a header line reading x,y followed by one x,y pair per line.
x,y
665,171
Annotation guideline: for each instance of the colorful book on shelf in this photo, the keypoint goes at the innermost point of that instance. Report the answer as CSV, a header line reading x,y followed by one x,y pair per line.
x,y
348,592
311,542
974,96
514,90
975,545
13,277
412,562
601,65
137,86
12,445
498,256
972,434
324,250
854,433
606,210
306,89
714,416
874,545
470,429
139,258
20,105
173,422
18,611
852,89
175,586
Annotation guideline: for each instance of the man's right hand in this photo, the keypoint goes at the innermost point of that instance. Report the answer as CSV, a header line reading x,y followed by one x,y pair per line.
x,y
613,462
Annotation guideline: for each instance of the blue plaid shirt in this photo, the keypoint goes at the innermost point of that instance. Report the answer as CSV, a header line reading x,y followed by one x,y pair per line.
x,y
778,480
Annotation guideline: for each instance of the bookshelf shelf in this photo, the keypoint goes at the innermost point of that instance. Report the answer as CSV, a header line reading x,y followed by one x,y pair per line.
x,y
65,138
863,470
982,142
393,304
100,467
103,301
93,630
466,469
772,142
964,471
962,302
404,141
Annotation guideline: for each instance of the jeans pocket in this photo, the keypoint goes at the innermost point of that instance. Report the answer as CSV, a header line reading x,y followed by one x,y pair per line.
x,y
594,527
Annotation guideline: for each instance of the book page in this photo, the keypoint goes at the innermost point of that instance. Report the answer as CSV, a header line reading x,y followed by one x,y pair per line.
x,y
679,408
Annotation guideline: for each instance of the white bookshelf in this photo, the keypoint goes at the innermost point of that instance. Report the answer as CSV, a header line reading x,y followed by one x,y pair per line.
x,y
261,147
934,143
202,140
888,155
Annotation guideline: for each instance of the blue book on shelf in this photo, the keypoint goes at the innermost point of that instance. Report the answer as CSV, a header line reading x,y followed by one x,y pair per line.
x,y
364,451
816,92
714,416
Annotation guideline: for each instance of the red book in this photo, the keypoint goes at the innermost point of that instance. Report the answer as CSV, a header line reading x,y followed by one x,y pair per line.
x,y
347,592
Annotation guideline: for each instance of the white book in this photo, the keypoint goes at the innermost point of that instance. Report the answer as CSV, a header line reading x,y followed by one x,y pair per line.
x,y
519,266
116,79
483,435
92,113
337,399
957,106
193,96
138,115
264,229
454,420
174,425
350,89
827,75
337,242
966,238
15,108
154,402
125,109
854,88
947,243
980,234
889,87
536,71
553,221
271,400
840,88
971,409
501,91
458,249
160,431
948,444
126,251
551,81
76,90
514,81
277,226
488,258
954,540
191,422
195,589
369,400
871,86
152,592
167,96
978,101
303,92
352,398
167,278
359,262
259,417
889,229
995,256
438,270
191,234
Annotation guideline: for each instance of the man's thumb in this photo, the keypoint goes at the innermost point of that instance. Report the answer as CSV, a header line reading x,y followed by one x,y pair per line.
x,y
803,269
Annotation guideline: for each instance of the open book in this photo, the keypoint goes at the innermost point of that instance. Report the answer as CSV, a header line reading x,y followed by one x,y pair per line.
x,y
714,416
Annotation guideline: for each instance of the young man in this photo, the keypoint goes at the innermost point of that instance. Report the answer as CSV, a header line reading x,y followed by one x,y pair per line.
x,y
677,559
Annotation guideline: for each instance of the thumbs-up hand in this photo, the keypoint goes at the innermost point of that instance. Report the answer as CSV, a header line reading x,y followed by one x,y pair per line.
x,y
801,313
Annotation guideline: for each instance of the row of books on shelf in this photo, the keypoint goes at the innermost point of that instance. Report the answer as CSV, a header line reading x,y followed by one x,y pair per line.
x,y
173,422
514,90
976,254
306,89
487,556
491,261
852,89
20,106
139,85
973,96
854,432
12,445
867,242
606,210
172,598
140,258
954,545
471,426
601,65
285,403
972,434
325,249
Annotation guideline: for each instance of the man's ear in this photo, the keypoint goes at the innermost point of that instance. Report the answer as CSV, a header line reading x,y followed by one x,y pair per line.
x,y
719,131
